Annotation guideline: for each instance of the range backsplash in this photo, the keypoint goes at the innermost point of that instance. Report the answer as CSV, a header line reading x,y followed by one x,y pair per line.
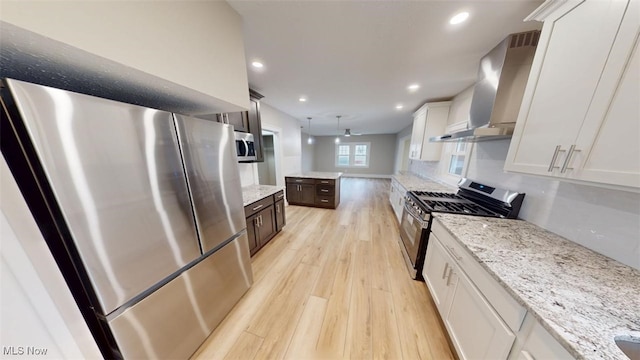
x,y
604,220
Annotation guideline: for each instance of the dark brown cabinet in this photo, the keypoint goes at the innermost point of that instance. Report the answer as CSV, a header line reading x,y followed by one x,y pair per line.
x,y
248,121
313,192
280,218
239,120
265,218
301,191
255,123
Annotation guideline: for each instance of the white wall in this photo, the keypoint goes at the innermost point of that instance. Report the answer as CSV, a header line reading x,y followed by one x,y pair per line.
x,y
308,153
36,306
382,156
197,44
403,134
287,146
604,220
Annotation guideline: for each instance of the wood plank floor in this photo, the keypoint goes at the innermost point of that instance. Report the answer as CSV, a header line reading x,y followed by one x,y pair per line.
x,y
333,285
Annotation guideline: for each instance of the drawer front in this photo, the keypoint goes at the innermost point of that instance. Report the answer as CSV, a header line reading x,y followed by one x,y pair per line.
x,y
257,206
295,180
325,201
325,190
325,182
278,196
511,312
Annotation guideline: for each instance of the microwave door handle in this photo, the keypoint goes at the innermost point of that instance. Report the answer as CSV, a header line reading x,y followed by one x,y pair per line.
x,y
246,147
243,148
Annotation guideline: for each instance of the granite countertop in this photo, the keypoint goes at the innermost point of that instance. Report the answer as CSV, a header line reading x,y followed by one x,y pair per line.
x,y
253,193
412,182
584,299
318,175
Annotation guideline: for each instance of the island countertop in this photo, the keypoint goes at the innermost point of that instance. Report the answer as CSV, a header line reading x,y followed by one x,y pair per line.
x,y
318,175
584,299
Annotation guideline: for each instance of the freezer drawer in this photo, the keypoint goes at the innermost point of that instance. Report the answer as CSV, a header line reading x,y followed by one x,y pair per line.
x,y
211,165
173,322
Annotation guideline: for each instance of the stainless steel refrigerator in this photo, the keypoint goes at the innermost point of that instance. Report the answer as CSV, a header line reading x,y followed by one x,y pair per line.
x,y
142,210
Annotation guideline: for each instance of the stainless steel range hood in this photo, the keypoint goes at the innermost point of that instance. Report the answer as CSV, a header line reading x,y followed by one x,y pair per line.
x,y
498,92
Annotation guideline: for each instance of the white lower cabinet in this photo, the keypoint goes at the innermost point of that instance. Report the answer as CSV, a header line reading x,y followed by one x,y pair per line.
x,y
396,198
476,330
482,319
535,343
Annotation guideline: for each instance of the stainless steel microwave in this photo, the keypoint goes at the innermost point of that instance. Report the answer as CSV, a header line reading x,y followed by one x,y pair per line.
x,y
245,147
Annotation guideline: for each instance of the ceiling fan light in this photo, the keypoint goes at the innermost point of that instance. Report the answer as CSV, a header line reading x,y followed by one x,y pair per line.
x,y
337,140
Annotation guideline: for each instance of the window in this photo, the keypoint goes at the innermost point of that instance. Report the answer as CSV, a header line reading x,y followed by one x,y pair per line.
x,y
458,156
353,155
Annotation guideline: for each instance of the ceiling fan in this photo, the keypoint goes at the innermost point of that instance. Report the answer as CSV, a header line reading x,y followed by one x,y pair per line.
x,y
347,133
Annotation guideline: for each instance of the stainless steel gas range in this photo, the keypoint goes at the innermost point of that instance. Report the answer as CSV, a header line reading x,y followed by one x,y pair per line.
x,y
472,198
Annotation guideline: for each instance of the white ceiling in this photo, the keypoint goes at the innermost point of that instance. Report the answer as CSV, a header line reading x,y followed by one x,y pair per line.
x,y
356,58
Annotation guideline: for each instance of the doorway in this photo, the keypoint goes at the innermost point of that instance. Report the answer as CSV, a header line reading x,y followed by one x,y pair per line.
x,y
267,169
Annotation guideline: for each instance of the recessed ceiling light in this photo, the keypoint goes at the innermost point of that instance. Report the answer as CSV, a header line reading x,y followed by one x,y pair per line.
x,y
399,106
257,64
302,99
458,18
413,87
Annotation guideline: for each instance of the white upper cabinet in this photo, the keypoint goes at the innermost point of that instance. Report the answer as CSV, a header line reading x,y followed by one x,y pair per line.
x,y
580,117
430,120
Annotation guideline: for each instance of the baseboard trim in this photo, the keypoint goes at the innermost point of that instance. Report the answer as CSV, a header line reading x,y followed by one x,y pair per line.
x,y
372,176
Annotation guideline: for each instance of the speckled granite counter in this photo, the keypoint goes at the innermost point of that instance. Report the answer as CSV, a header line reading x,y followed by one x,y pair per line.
x,y
582,298
412,182
318,175
253,193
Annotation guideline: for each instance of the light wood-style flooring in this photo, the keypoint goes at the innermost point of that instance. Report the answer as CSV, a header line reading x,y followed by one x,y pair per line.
x,y
333,285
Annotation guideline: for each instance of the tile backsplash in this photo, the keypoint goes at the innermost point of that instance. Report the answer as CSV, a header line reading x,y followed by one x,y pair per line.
x,y
602,219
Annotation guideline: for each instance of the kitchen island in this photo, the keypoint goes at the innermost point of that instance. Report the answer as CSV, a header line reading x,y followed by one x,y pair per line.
x,y
584,300
319,189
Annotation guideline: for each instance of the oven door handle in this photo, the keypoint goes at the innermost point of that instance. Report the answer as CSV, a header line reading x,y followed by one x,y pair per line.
x,y
407,208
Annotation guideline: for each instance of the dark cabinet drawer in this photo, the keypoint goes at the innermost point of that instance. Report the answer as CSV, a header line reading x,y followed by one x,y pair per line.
x,y
296,180
325,201
278,196
325,182
257,206
325,190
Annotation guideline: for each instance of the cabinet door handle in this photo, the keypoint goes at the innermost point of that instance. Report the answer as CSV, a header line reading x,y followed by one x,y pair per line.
x,y
572,150
257,207
324,182
444,273
449,276
255,221
280,196
298,180
261,223
278,208
554,159
324,190
324,200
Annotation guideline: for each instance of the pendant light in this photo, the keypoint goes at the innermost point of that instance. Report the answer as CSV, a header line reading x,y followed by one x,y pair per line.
x,y
338,136
309,138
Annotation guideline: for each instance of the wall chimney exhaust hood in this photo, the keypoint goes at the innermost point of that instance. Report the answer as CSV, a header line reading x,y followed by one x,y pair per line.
x,y
498,92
